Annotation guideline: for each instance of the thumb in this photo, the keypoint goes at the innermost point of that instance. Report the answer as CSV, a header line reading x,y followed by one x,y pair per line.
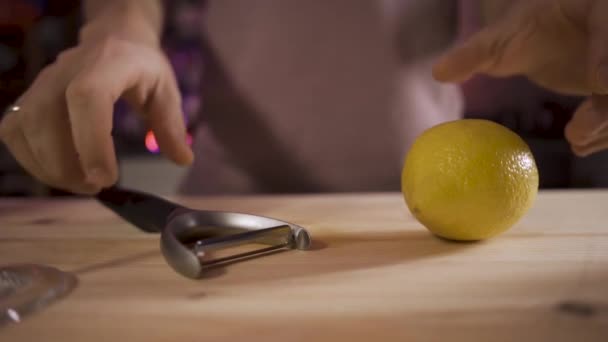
x,y
587,131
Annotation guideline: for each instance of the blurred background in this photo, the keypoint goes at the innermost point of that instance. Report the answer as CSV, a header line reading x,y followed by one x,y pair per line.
x,y
33,32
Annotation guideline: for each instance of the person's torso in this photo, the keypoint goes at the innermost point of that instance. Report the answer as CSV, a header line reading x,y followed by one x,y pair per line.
x,y
318,95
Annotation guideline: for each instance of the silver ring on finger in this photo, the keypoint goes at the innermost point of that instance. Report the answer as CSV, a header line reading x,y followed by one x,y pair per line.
x,y
14,108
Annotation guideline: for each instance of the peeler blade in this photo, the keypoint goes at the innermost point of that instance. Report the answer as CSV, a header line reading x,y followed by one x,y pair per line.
x,y
278,238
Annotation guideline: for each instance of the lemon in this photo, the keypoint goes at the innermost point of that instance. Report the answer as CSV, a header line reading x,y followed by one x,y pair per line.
x,y
469,179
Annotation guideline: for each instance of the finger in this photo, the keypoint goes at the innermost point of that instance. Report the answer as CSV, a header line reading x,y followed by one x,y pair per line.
x,y
584,120
598,54
596,146
588,122
54,149
163,113
493,50
473,56
91,97
46,131
165,118
12,136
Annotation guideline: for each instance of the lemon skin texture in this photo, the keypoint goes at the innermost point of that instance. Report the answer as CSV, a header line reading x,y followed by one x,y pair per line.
x,y
469,179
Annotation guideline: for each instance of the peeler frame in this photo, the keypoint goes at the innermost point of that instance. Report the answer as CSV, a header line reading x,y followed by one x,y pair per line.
x,y
189,238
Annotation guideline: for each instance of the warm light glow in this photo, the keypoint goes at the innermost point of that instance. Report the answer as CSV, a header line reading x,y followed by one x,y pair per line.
x,y
152,145
14,315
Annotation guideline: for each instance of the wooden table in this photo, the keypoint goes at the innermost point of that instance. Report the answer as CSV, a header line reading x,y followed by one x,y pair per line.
x,y
376,274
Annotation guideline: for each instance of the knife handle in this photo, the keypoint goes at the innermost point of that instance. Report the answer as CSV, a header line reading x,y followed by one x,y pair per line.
x,y
147,212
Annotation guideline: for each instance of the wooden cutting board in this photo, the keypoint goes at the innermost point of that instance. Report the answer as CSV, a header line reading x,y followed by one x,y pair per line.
x,y
375,274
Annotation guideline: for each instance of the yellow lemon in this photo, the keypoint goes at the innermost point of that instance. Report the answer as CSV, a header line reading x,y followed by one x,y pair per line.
x,y
469,179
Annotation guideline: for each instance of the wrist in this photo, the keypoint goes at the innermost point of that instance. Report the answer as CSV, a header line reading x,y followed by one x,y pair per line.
x,y
122,20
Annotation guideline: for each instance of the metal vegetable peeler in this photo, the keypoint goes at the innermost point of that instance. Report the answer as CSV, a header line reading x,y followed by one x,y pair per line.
x,y
188,237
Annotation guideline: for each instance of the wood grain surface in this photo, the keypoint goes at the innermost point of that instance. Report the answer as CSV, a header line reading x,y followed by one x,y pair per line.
x,y
374,274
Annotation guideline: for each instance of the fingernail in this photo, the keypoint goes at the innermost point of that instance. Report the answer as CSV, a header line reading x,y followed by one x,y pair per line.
x,y
577,152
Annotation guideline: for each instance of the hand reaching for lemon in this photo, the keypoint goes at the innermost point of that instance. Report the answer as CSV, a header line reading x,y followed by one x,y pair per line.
x,y
559,44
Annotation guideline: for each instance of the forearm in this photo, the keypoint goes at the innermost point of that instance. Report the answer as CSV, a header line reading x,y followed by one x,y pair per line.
x,y
140,20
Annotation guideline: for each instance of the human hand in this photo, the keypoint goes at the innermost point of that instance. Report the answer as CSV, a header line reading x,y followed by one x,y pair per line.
x,y
62,132
559,44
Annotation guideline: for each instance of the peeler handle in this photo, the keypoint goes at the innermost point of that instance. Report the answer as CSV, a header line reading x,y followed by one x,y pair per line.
x,y
147,212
